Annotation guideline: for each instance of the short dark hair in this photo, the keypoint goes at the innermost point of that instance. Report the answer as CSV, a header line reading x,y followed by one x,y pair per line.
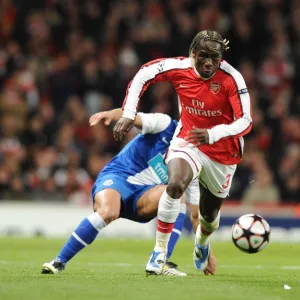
x,y
208,35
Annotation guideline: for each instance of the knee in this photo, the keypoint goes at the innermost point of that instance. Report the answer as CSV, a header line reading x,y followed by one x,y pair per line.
x,y
210,205
107,203
176,188
194,215
211,216
107,214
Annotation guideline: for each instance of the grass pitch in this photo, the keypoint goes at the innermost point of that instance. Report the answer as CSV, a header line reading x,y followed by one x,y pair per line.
x,y
111,269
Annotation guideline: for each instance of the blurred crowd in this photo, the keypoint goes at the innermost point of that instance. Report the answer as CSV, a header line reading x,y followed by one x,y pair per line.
x,y
63,60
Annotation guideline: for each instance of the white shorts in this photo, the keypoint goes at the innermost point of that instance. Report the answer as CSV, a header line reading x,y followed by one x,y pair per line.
x,y
192,192
216,177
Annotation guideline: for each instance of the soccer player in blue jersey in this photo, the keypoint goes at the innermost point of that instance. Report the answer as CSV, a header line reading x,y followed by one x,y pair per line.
x,y
130,187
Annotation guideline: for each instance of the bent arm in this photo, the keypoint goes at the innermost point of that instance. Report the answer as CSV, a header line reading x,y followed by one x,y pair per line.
x,y
153,123
154,71
112,116
240,102
147,123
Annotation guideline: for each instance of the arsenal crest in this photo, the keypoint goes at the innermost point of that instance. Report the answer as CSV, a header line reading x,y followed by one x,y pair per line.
x,y
215,87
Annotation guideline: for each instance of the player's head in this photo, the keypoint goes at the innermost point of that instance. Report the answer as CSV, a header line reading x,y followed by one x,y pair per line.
x,y
206,50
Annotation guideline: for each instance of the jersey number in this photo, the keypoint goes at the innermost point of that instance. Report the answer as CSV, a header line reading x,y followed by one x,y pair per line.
x,y
224,186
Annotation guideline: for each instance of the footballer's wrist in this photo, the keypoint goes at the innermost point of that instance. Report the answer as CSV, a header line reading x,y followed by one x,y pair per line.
x,y
128,114
211,139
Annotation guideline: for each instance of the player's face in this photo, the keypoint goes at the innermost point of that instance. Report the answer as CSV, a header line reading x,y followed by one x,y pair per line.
x,y
206,60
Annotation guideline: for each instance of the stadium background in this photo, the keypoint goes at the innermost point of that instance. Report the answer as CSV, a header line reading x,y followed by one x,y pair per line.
x,y
63,60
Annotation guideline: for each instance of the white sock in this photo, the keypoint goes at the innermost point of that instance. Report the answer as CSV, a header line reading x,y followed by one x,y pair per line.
x,y
168,210
206,229
96,220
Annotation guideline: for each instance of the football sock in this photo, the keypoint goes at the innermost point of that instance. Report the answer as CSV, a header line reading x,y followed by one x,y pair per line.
x,y
168,210
83,235
205,229
176,231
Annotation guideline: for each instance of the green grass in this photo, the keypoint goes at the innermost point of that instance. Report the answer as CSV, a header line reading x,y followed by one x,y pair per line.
x,y
111,269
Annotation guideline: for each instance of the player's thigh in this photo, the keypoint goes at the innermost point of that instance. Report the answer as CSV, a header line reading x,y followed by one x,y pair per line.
x,y
147,204
186,159
180,175
179,170
107,203
109,192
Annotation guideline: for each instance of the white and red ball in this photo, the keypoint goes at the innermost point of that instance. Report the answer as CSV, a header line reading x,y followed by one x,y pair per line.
x,y
251,233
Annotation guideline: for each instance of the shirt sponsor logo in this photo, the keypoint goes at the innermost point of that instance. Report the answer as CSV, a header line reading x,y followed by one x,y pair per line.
x,y
203,112
198,109
215,87
158,166
108,182
243,91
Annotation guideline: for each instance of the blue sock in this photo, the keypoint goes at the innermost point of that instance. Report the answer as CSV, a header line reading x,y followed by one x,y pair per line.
x,y
176,232
83,235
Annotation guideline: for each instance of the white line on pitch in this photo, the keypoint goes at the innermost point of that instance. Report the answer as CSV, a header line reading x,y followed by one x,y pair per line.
x,y
126,265
259,267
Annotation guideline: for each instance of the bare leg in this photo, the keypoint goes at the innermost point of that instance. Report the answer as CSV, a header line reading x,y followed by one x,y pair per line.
x,y
194,217
209,221
209,215
108,204
147,204
209,205
180,176
211,267
107,208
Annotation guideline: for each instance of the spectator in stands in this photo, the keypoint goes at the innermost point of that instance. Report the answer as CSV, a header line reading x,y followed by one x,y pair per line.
x,y
61,61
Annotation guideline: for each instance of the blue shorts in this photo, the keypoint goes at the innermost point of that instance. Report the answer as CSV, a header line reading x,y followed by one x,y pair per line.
x,y
130,193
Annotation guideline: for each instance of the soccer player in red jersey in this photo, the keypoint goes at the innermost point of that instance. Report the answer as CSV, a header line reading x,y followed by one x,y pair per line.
x,y
208,143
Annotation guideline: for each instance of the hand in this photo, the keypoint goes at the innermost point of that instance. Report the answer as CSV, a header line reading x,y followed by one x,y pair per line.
x,y
122,126
211,267
197,136
107,116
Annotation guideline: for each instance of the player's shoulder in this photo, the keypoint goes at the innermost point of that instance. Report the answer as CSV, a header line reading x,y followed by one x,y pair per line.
x,y
180,62
231,73
163,64
175,65
228,69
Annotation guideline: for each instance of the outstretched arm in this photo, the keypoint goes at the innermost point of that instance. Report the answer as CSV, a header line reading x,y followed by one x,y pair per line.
x,y
155,71
113,116
147,123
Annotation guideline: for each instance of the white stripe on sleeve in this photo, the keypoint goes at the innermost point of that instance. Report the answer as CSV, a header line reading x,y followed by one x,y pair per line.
x,y
154,123
145,75
242,124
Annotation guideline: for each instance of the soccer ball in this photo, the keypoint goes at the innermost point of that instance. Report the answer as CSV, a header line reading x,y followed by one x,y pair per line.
x,y
251,233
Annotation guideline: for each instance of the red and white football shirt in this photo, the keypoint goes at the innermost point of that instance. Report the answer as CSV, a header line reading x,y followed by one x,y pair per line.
x,y
220,104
